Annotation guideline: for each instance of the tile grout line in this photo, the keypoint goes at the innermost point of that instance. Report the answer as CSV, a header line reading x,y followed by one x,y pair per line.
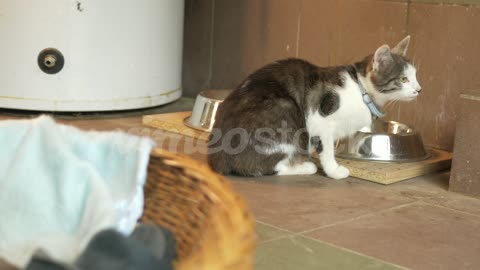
x,y
415,201
420,201
292,235
451,209
302,233
273,226
352,251
421,197
274,239
358,217
288,233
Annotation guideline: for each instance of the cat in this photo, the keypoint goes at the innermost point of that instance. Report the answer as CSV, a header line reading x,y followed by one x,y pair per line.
x,y
283,112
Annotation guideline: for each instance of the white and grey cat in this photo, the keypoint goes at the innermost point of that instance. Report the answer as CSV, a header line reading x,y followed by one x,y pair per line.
x,y
281,113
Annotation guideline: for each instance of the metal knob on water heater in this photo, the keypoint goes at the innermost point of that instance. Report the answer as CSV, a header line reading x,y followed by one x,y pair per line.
x,y
51,61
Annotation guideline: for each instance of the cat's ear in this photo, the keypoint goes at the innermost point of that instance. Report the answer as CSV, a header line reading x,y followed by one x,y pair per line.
x,y
382,57
402,46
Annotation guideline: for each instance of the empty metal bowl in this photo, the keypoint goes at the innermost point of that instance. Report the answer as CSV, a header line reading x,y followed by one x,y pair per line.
x,y
205,109
385,141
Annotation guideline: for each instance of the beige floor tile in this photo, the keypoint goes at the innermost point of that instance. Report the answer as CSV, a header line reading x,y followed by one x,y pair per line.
x,y
303,203
418,236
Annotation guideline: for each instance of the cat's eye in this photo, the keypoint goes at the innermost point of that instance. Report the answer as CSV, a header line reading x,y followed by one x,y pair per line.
x,y
404,80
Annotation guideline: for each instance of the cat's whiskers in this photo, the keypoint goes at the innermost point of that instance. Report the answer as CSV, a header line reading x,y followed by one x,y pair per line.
x,y
388,105
394,102
391,103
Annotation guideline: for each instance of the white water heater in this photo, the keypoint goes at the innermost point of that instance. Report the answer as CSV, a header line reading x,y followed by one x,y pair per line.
x,y
90,55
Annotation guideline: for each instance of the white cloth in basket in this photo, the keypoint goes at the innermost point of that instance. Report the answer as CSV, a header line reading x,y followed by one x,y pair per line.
x,y
59,186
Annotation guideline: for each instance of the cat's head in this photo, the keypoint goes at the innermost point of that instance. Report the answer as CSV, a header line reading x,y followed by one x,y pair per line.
x,y
391,75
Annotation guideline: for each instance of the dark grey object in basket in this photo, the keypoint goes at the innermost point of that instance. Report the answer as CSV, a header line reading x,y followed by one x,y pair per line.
x,y
148,248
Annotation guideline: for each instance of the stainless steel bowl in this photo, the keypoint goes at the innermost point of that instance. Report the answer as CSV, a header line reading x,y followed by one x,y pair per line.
x,y
384,141
205,109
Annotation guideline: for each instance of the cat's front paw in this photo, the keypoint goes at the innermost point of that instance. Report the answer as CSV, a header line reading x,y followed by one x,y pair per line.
x,y
339,172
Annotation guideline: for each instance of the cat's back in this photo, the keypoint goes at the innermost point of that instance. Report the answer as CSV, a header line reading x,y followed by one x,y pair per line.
x,y
285,72
273,91
281,79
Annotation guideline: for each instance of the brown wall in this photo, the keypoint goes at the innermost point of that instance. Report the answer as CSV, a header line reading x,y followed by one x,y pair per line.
x,y
225,40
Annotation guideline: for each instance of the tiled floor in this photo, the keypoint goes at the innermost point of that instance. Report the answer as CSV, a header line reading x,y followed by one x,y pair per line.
x,y
312,222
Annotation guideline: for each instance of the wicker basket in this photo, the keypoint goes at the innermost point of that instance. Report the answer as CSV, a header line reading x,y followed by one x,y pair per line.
x,y
212,226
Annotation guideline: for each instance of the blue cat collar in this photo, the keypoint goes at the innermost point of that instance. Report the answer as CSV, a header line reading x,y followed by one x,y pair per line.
x,y
369,102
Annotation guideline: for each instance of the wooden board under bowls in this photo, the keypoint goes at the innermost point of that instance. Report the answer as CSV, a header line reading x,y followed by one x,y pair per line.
x,y
389,173
173,122
383,173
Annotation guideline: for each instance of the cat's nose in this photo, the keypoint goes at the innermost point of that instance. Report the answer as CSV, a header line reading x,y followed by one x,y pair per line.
x,y
419,89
